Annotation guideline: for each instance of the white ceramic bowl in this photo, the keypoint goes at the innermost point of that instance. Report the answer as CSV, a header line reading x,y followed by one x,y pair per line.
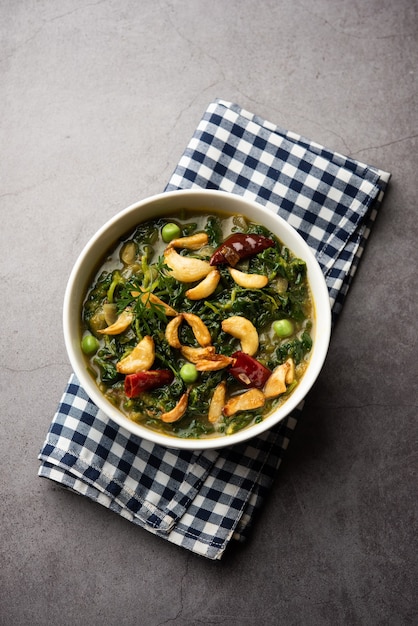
x,y
159,205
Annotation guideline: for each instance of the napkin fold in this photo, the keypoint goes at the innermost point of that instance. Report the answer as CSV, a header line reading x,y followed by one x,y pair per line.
x,y
202,500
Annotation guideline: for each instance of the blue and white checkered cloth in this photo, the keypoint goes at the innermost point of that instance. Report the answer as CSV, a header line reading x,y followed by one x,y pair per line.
x,y
202,500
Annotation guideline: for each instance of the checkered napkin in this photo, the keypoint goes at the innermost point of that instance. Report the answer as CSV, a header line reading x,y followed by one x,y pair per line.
x,y
202,500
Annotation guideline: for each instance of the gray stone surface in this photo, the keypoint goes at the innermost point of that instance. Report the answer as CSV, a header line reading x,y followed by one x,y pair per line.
x,y
97,102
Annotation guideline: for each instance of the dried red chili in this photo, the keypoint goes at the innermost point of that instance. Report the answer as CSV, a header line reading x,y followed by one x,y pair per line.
x,y
249,371
240,246
135,384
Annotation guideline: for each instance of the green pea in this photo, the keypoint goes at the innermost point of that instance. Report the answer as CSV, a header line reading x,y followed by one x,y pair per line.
x,y
283,328
189,373
170,231
89,344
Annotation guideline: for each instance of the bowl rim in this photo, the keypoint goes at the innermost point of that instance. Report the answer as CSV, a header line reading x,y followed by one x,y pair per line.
x,y
320,347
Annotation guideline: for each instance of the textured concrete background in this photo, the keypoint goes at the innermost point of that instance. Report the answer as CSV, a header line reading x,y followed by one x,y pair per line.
x,y
97,102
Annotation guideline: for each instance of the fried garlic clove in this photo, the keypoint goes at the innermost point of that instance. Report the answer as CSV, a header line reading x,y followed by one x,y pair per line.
x,y
140,359
193,242
194,355
184,268
121,324
214,363
290,374
149,298
199,328
276,384
217,402
172,331
244,330
179,410
248,281
247,401
205,288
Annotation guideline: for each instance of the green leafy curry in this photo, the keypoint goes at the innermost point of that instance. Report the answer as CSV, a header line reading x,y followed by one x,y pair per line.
x,y
198,325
